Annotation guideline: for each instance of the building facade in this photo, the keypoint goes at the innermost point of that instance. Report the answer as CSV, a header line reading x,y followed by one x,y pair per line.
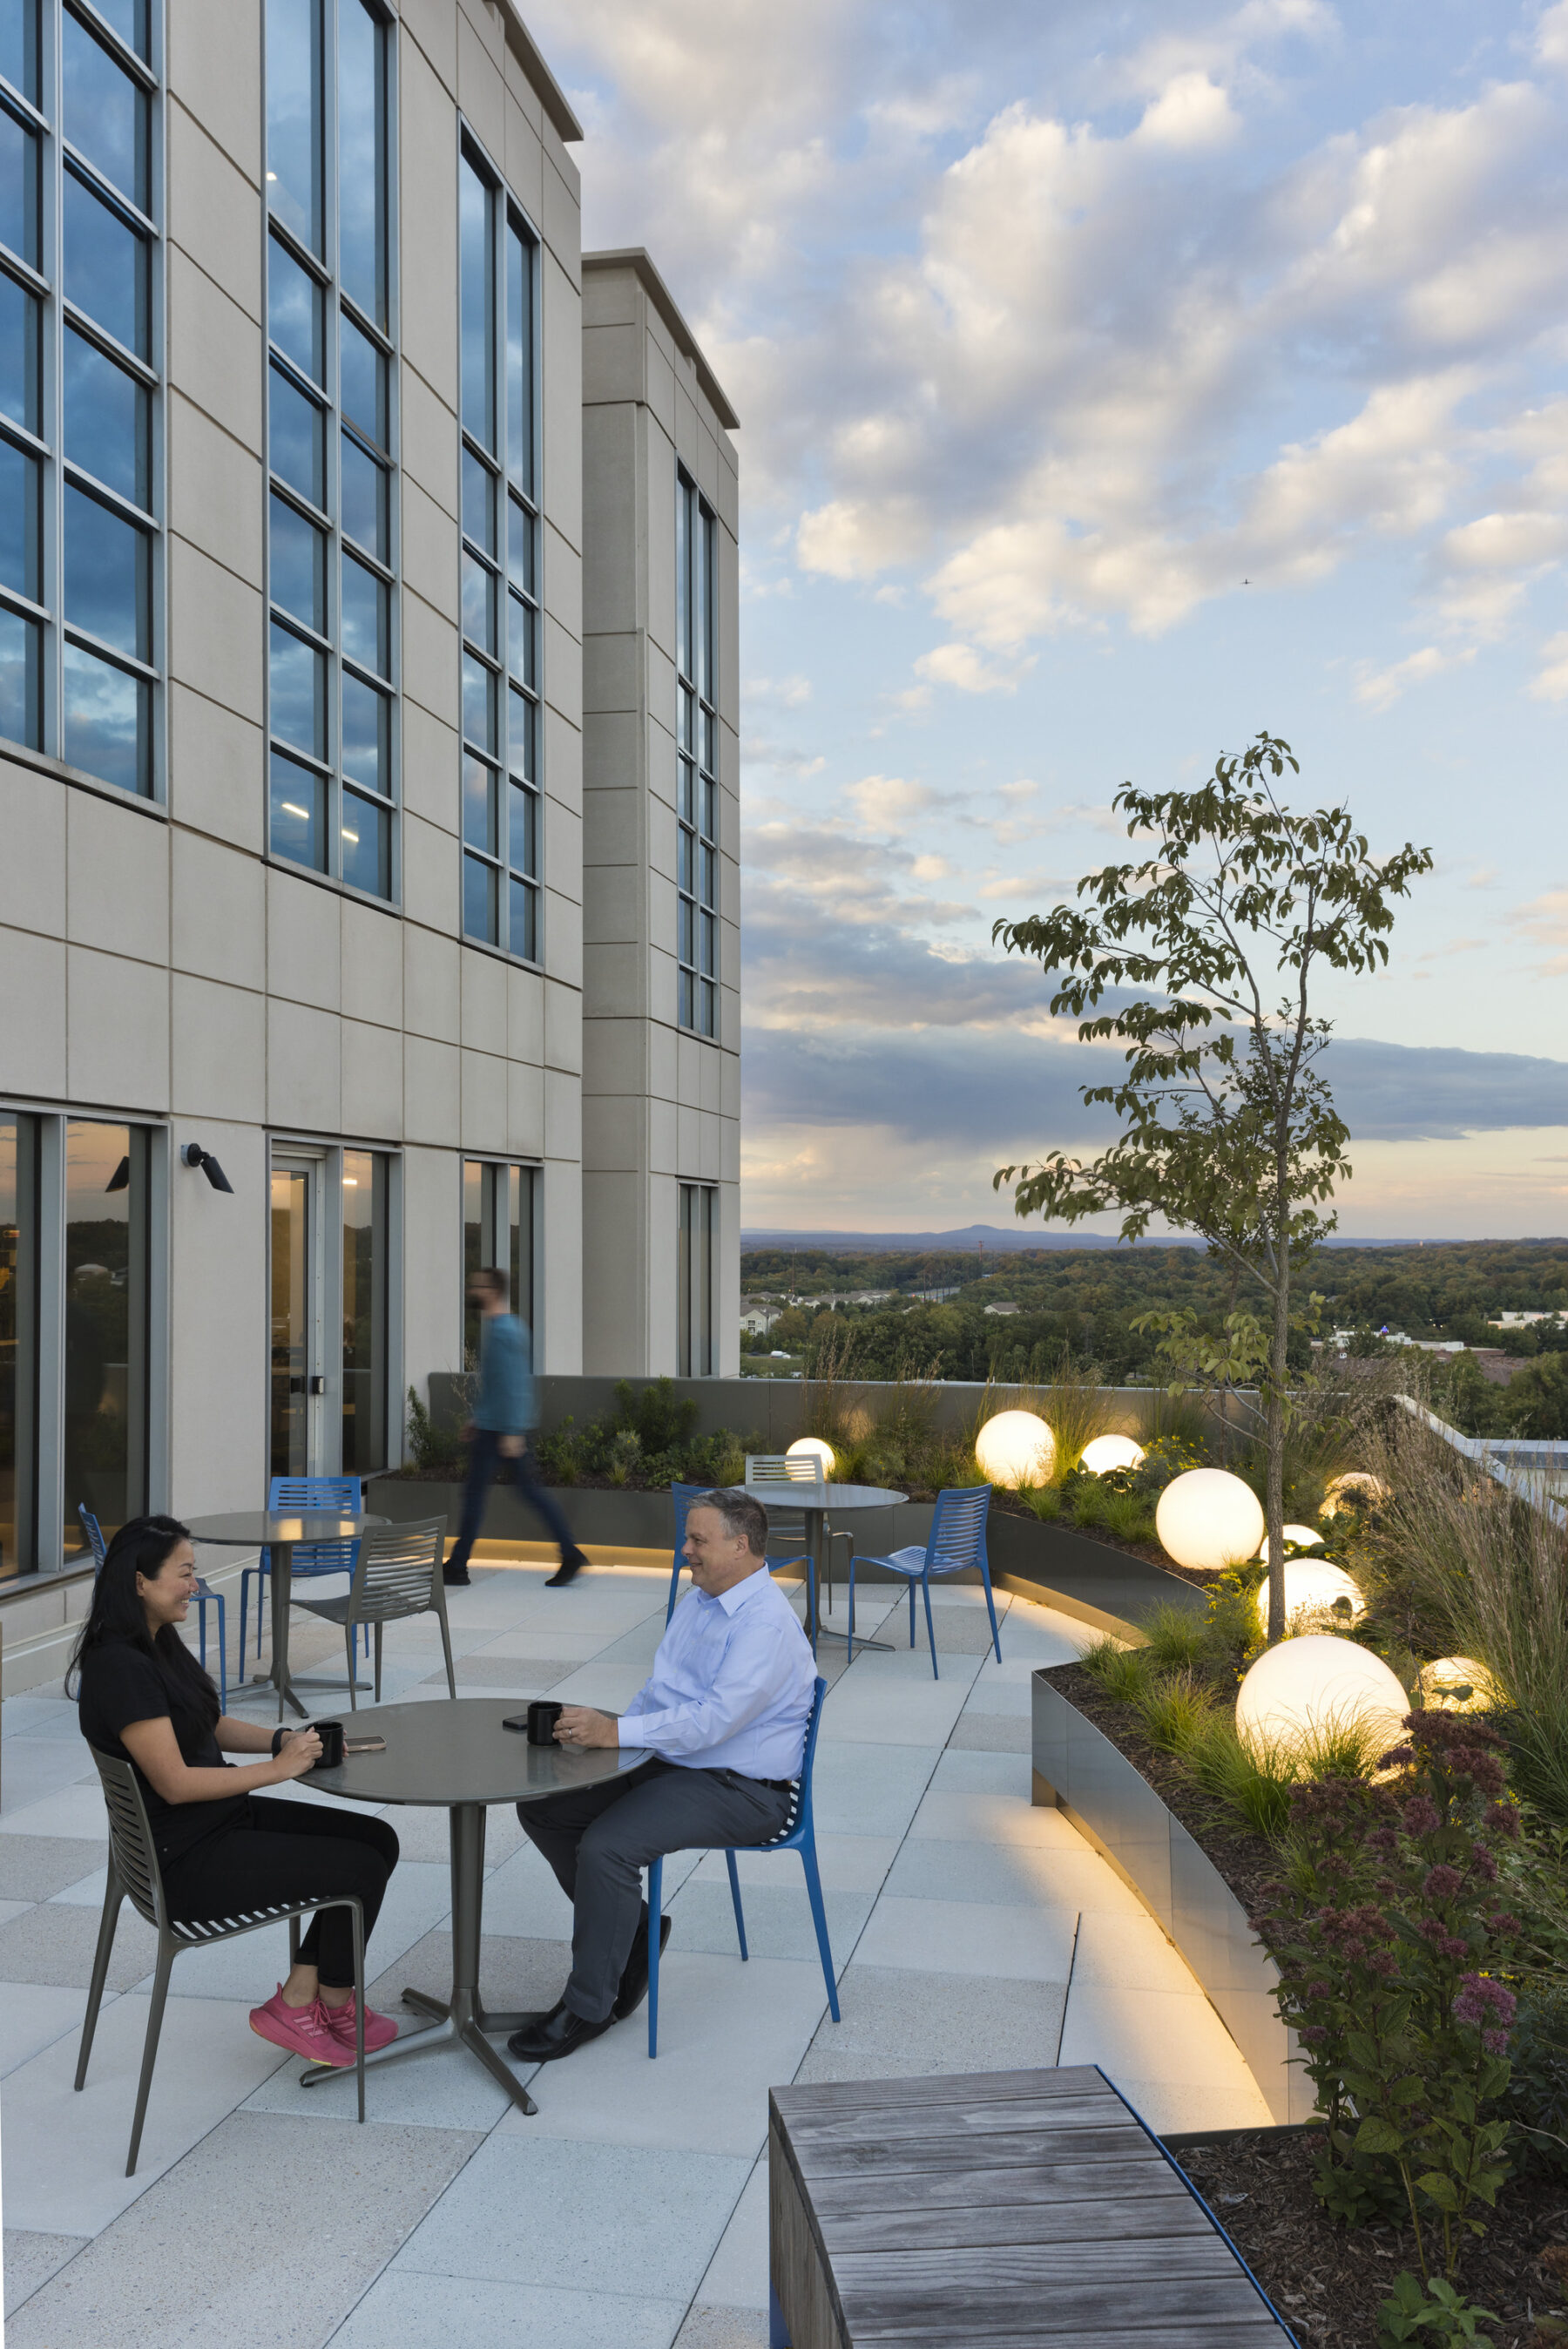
x,y
661,814
296,924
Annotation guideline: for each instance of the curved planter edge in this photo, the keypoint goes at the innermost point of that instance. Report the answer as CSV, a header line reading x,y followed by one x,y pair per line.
x,y
1112,1804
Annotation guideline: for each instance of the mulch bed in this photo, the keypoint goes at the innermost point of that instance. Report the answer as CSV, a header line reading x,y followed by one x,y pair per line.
x,y
1326,2282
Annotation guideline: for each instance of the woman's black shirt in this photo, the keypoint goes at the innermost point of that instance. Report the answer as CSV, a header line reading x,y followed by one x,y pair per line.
x,y
120,1683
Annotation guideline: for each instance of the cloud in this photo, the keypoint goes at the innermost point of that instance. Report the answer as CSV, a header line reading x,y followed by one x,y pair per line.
x,y
1001,1092
961,666
1380,688
1550,681
1190,111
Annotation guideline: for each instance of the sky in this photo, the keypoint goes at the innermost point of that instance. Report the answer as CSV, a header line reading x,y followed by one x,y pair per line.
x,y
1118,381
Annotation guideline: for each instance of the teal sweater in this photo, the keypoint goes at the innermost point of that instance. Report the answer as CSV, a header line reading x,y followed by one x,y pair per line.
x,y
506,1375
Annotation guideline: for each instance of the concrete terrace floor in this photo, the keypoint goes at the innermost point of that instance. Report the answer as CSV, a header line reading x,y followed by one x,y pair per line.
x,y
971,1931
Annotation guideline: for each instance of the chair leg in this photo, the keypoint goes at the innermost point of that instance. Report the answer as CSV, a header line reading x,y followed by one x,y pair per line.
x,y
294,1943
911,1614
739,1912
446,1650
165,1949
113,1894
222,1649
820,1918
351,1642
930,1626
655,1903
675,1587
811,1602
990,1610
851,1649
244,1594
378,1664
357,1916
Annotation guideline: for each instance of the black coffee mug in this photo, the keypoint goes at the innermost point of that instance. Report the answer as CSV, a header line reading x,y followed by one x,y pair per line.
x,y
331,1736
541,1719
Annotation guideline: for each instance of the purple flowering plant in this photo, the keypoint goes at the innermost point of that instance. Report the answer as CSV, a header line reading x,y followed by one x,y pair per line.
x,y
1390,1934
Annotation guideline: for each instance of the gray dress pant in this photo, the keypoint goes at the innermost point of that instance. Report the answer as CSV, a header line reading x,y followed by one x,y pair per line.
x,y
599,1841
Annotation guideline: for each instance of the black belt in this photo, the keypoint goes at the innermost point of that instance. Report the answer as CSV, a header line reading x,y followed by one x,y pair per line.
x,y
775,1786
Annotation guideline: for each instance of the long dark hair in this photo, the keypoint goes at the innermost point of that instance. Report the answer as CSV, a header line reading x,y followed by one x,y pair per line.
x,y
143,1546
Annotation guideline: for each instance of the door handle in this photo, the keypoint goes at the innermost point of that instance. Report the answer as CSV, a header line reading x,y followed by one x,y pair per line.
x,y
318,1385
296,1386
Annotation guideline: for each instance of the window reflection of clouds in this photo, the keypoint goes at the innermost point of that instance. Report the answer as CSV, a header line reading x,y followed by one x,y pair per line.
x,y
294,117
107,574
106,717
106,419
104,112
106,267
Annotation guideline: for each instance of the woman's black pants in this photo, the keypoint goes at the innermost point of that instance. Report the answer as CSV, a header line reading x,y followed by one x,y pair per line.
x,y
290,1851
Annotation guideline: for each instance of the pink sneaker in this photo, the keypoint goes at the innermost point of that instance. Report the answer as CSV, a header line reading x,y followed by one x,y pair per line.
x,y
303,2030
380,2031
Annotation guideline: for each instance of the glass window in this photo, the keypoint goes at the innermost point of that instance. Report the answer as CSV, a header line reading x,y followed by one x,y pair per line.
x,y
107,729
363,490
296,439
108,267
128,18
108,419
107,574
21,519
298,814
18,187
694,1281
21,661
106,1270
696,794
294,311
366,734
297,683
364,1294
19,46
105,111
497,1231
19,324
329,174
18,1341
298,565
295,143
500,665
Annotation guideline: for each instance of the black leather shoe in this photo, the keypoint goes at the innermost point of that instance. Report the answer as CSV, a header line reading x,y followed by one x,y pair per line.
x,y
456,1581
571,1564
546,2036
634,1987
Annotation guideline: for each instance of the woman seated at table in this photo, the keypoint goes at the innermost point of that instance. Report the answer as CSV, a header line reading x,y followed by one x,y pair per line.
x,y
145,1700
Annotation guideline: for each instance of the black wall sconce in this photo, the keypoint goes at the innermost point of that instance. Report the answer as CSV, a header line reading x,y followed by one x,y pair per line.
x,y
193,1154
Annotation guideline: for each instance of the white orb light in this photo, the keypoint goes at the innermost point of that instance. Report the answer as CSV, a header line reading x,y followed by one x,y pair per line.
x,y
1015,1448
817,1448
1357,1489
1107,1452
1458,1684
1296,1537
1311,1586
1207,1517
1304,1689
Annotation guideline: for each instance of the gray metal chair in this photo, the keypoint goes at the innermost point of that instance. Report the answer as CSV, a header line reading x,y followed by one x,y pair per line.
x,y
398,1572
134,1874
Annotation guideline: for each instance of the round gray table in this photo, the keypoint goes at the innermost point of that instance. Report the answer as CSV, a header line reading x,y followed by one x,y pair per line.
x,y
815,1503
453,1753
279,1530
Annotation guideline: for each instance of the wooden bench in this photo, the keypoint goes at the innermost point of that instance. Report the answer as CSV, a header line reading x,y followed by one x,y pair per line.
x,y
1008,2208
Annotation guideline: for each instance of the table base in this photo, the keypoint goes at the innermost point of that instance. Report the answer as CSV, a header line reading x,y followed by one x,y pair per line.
x,y
462,2020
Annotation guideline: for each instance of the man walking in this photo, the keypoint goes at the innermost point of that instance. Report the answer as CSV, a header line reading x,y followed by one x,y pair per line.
x,y
725,1712
498,1432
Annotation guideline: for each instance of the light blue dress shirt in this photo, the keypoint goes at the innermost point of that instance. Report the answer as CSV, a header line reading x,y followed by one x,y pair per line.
x,y
731,1686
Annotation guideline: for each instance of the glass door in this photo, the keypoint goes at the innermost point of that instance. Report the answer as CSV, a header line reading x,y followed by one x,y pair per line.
x,y
298,1381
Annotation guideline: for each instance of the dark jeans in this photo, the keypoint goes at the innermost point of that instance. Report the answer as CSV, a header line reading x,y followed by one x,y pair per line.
x,y
290,1851
484,1457
599,1840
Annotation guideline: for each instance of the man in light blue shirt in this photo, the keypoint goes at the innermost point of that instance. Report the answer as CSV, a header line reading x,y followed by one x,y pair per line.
x,y
724,1713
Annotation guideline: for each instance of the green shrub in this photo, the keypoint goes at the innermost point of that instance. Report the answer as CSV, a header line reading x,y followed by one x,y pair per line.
x,y
1122,1672
430,1446
1538,2088
1177,1640
1176,1712
1256,1787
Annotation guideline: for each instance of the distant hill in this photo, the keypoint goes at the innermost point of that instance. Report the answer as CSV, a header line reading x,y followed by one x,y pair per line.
x,y
997,1236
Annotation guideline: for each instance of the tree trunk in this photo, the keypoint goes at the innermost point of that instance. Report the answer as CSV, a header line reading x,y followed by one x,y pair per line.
x,y
1274,1504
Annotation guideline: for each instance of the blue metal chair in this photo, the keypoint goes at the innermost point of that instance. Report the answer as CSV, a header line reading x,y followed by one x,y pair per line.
x,y
310,1558
205,1596
798,1834
683,1496
957,1540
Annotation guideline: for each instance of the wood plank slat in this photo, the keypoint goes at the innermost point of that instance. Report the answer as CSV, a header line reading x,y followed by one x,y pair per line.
x,y
1010,2152
1132,2218
957,2120
998,2268
935,2087
1054,2182
1209,2332
1058,2312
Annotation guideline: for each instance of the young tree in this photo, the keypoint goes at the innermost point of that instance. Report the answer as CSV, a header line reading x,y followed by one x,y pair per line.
x,y
1208,948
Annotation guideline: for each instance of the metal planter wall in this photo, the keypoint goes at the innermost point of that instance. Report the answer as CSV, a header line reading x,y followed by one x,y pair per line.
x,y
1110,1802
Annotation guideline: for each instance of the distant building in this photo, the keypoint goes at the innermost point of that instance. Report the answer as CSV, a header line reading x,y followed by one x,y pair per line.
x,y
1003,1308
